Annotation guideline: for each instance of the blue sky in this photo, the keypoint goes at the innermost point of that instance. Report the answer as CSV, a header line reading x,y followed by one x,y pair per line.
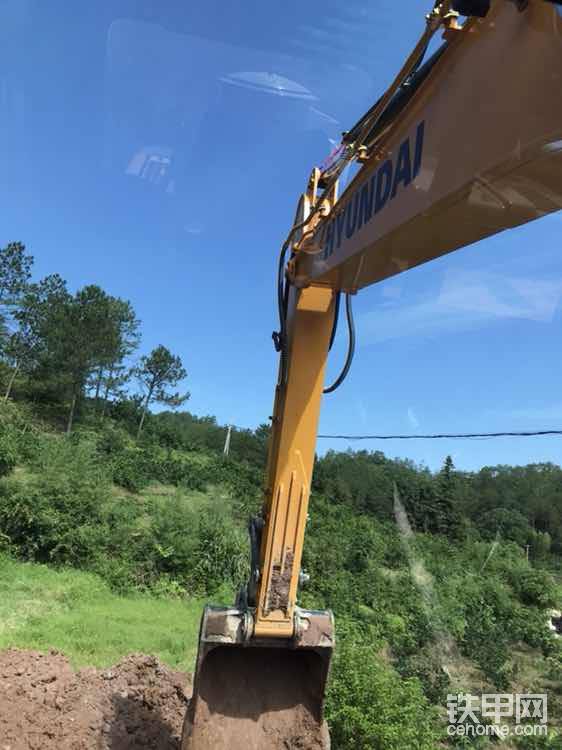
x,y
144,149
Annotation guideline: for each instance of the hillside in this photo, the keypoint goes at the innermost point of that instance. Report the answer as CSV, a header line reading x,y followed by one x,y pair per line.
x,y
98,530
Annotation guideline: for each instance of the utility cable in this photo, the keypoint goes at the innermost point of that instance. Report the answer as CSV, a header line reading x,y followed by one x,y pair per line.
x,y
449,436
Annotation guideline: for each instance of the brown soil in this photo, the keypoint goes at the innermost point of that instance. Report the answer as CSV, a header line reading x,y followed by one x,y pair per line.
x,y
257,699
45,705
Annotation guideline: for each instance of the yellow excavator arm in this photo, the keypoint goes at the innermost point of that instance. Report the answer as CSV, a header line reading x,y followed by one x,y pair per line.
x,y
461,147
475,147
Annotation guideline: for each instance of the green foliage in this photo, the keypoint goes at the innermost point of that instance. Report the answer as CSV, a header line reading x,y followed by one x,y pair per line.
x,y
221,554
174,468
55,516
111,439
8,451
127,412
65,513
130,469
363,480
447,517
530,627
509,524
554,667
15,271
157,372
62,344
187,432
552,742
534,587
369,706
179,530
133,468
488,610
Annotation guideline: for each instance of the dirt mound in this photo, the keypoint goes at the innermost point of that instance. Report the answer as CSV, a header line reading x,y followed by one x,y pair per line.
x,y
45,705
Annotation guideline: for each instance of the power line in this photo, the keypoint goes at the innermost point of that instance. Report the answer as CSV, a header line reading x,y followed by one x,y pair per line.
x,y
450,436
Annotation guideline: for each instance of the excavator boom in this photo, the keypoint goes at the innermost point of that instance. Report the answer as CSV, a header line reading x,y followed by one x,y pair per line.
x,y
474,148
462,147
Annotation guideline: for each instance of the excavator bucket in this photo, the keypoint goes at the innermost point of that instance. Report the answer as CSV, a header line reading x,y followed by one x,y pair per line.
x,y
265,694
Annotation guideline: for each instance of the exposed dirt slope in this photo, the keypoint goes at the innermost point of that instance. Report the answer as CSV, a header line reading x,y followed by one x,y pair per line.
x,y
45,705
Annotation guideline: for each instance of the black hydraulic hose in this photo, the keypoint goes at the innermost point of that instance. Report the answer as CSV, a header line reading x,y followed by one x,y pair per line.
x,y
280,337
336,317
371,120
350,350
417,66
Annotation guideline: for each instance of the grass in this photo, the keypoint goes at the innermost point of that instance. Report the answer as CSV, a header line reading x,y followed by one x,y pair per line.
x,y
195,499
74,612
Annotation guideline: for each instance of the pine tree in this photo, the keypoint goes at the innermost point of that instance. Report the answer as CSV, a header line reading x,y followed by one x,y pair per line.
x,y
157,372
447,517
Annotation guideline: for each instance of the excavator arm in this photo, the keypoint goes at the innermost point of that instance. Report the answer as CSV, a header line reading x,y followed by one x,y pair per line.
x,y
474,148
462,146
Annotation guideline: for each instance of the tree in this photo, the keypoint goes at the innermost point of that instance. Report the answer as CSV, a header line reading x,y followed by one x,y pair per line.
x,y
78,335
15,272
92,332
27,346
124,338
66,342
112,382
157,372
510,524
16,350
447,517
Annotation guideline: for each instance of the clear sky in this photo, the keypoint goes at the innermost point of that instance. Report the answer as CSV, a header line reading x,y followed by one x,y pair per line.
x,y
158,149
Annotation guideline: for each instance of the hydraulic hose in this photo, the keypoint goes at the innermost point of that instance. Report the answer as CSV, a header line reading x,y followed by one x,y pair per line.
x,y
350,349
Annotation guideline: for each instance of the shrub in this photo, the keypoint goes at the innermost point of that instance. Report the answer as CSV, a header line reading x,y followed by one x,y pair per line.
x,y
29,445
112,440
552,742
120,572
531,628
220,555
8,451
168,588
55,515
52,519
489,615
130,470
370,706
427,668
534,587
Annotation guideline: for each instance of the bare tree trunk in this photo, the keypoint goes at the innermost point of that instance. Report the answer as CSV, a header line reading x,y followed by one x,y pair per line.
x,y
98,387
145,409
71,414
11,383
143,415
106,392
